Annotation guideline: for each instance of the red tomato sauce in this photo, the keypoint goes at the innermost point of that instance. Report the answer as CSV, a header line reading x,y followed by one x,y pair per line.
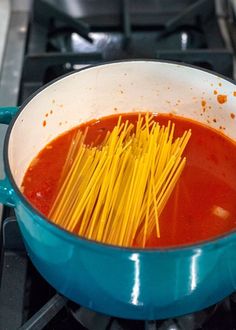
x,y
203,203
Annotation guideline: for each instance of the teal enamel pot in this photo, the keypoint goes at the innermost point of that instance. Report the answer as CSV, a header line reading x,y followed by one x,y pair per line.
x,y
124,282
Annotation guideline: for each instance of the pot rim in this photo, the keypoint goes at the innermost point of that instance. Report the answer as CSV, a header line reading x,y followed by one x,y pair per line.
x,y
65,234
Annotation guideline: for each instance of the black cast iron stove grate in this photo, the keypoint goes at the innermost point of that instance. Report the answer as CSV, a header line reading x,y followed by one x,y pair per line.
x,y
66,37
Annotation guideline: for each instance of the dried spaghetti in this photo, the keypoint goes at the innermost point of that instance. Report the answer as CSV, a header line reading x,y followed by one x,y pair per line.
x,y
115,192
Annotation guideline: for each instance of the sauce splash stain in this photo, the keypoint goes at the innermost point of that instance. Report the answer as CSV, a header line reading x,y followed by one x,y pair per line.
x,y
221,98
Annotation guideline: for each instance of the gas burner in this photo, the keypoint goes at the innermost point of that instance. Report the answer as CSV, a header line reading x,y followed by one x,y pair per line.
x,y
216,317
209,318
95,321
89,319
142,43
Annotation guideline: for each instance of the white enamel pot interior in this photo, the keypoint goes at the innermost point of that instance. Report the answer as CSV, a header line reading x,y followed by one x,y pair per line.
x,y
119,87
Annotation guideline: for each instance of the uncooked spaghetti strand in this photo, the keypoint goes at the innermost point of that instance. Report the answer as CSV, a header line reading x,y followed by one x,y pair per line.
x,y
120,189
165,179
65,169
139,125
161,182
121,205
108,224
81,165
171,186
153,149
184,140
170,139
158,188
140,196
82,224
71,216
144,206
141,170
127,206
146,160
98,171
179,147
166,191
163,152
105,185
155,208
79,215
56,205
108,196
147,216
76,141
70,197
101,208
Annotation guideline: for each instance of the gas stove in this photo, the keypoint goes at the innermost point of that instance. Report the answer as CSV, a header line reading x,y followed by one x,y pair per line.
x,y
48,38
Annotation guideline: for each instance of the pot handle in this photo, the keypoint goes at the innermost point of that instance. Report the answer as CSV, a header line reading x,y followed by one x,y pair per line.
x,y
6,191
7,113
7,194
